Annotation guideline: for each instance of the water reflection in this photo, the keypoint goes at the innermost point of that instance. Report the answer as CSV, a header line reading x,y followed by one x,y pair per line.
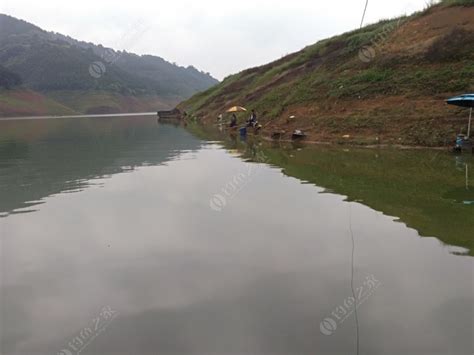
x,y
430,191
258,277
43,158
465,194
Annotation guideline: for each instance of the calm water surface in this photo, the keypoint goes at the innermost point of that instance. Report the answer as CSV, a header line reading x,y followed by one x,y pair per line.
x,y
122,236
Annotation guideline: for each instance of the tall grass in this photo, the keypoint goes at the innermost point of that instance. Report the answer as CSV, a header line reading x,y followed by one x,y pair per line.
x,y
458,2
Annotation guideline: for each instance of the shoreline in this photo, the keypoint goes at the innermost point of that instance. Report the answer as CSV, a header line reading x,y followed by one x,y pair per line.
x,y
13,118
355,145
313,142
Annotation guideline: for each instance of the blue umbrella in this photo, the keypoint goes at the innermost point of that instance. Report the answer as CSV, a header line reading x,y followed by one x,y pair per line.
x,y
464,101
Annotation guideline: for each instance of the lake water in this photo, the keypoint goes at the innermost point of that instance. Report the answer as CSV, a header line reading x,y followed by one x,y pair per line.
x,y
123,236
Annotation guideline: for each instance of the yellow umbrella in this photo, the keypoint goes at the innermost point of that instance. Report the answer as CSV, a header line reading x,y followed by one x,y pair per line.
x,y
237,109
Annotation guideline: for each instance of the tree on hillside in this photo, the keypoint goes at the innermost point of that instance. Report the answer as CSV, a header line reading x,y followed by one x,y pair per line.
x,y
9,79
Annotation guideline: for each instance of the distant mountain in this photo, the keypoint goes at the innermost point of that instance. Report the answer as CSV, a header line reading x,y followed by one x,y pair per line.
x,y
49,62
8,79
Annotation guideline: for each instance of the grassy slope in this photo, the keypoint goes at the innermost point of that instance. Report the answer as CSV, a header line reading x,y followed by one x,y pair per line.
x,y
397,97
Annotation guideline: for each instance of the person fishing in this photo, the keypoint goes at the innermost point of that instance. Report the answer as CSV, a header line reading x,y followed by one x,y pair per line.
x,y
252,122
233,121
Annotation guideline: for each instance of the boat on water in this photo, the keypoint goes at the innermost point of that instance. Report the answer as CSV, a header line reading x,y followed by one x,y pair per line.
x,y
174,114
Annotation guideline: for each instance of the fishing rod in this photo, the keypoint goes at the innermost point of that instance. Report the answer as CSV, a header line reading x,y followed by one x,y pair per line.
x,y
365,11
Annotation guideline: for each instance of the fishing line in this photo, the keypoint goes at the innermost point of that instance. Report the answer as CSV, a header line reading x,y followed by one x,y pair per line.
x,y
356,316
352,278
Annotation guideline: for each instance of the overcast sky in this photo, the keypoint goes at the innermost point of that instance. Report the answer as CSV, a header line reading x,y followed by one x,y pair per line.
x,y
218,36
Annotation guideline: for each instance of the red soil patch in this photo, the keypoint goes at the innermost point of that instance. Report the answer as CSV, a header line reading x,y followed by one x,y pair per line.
x,y
417,35
28,95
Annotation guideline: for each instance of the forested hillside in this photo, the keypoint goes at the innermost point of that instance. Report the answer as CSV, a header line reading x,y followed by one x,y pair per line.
x,y
62,67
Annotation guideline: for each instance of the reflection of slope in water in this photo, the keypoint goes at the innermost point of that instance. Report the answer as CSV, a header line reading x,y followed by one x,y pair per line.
x,y
72,158
413,186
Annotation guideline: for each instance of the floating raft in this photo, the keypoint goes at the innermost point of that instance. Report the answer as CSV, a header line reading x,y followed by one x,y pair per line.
x,y
170,115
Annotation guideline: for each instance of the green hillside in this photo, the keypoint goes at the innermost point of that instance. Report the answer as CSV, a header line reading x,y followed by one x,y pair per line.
x,y
385,83
8,79
47,62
